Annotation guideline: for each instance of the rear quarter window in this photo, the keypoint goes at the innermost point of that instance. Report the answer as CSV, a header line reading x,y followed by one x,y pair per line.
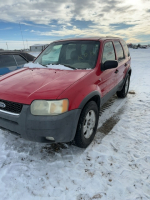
x,y
125,48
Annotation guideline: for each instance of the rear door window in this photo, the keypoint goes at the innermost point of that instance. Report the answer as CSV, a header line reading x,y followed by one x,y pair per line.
x,y
7,61
125,48
20,60
108,52
119,51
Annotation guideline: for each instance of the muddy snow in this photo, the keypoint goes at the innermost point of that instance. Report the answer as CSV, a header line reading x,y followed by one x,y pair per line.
x,y
116,166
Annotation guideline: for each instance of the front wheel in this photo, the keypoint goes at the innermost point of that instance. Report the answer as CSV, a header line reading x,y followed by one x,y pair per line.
x,y
87,125
124,91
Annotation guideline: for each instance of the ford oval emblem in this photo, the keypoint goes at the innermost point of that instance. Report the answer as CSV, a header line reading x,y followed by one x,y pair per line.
x,y
2,105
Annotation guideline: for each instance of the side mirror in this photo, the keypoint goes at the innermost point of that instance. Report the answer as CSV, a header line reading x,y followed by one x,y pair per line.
x,y
110,64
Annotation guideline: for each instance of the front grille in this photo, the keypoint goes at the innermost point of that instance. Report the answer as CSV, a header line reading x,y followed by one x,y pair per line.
x,y
11,106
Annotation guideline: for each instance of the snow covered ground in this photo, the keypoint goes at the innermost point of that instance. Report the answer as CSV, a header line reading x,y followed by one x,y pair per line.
x,y
116,166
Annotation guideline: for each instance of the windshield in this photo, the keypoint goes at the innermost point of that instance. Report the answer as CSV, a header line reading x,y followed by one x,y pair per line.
x,y
73,54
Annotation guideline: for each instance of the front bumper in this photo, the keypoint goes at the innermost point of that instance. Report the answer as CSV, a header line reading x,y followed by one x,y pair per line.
x,y
36,128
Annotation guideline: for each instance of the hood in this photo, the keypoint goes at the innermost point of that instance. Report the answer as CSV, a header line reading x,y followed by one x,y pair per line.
x,y
26,85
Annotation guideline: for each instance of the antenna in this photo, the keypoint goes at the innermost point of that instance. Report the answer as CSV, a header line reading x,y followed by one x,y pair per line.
x,y
27,44
7,45
22,35
22,39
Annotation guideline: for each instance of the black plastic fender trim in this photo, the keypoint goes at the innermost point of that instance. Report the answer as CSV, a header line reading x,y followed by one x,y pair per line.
x,y
88,97
124,80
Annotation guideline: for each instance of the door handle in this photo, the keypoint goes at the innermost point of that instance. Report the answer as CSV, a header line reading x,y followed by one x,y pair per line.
x,y
125,64
116,71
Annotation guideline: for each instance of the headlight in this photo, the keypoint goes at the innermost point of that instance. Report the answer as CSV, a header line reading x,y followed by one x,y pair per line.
x,y
43,107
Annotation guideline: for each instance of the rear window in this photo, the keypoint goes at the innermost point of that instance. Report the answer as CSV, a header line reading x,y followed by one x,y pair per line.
x,y
7,61
20,61
119,50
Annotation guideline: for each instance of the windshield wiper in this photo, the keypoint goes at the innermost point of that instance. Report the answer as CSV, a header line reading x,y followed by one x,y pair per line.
x,y
69,66
44,65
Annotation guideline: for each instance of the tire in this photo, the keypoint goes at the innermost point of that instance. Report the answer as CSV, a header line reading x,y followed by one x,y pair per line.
x,y
123,93
87,125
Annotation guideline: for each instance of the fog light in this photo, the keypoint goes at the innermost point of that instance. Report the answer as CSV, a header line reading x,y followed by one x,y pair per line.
x,y
50,138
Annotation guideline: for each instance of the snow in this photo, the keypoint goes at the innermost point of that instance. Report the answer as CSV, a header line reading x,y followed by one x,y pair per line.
x,y
116,166
37,65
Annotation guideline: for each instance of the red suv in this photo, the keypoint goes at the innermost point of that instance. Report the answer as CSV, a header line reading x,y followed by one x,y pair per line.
x,y
57,98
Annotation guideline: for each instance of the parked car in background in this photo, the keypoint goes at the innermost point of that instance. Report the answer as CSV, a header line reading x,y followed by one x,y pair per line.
x,y
13,60
58,97
143,46
135,47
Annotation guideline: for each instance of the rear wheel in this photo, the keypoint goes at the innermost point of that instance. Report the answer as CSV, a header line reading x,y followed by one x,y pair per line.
x,y
87,125
124,91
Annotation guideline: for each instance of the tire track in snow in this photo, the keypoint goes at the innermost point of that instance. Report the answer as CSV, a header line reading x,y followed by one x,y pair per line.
x,y
110,114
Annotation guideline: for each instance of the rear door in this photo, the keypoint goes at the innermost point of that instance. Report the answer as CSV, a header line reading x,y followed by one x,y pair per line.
x,y
107,77
121,61
7,64
127,56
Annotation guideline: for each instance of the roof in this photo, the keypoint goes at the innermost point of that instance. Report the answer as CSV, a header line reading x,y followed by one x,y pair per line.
x,y
27,56
90,38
